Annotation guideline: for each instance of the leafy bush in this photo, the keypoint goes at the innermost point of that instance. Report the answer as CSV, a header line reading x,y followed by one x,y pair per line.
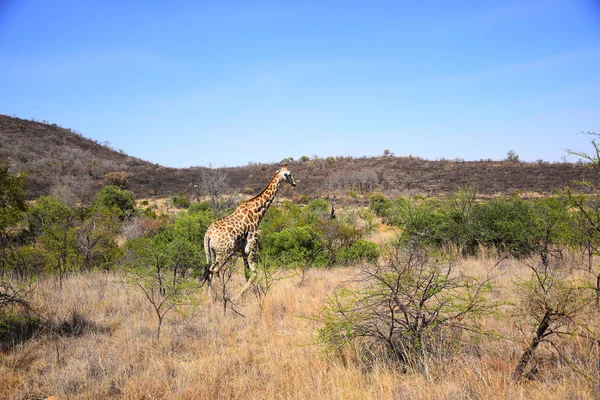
x,y
53,222
180,200
294,246
359,251
119,179
12,197
112,197
200,207
380,205
301,236
512,225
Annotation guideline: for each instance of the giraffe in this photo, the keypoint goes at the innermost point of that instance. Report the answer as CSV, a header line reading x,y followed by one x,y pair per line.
x,y
238,232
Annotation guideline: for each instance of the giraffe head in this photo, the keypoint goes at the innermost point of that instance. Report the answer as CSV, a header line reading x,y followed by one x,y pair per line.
x,y
285,175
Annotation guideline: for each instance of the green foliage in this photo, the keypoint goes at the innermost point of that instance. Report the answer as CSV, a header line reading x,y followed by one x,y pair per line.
x,y
369,216
96,239
318,207
25,263
305,236
12,197
73,241
507,224
421,219
359,251
512,156
180,200
513,225
200,207
182,242
15,261
53,223
50,213
337,234
380,205
120,200
294,246
157,266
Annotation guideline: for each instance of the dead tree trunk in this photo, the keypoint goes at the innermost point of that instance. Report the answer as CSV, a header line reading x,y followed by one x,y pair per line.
x,y
528,353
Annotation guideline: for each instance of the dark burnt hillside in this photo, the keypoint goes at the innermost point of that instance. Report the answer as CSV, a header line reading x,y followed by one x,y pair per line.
x,y
52,155
411,175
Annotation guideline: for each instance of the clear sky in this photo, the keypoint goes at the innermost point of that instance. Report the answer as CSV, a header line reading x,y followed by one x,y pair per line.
x,y
187,83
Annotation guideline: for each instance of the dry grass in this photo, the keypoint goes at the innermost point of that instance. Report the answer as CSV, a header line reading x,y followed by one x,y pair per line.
x,y
268,354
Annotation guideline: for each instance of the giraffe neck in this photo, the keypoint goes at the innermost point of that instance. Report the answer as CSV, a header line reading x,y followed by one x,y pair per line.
x,y
259,204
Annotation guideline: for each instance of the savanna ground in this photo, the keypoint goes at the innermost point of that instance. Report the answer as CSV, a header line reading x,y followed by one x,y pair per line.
x,y
110,350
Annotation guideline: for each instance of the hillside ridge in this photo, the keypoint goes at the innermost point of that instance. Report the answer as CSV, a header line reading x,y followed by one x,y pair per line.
x,y
52,154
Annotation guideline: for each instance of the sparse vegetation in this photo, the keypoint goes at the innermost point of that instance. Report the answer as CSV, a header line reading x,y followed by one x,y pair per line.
x,y
464,293
52,155
409,310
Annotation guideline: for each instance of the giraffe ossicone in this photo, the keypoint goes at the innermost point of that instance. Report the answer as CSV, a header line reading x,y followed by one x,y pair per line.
x,y
238,232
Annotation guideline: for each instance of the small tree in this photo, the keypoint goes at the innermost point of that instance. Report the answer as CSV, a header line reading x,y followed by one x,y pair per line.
x,y
359,252
410,308
550,305
368,215
215,183
112,197
589,209
380,205
76,192
593,158
96,239
54,224
12,207
268,274
512,156
149,267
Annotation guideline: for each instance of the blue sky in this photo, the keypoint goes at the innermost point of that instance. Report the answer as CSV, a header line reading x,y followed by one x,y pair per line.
x,y
188,83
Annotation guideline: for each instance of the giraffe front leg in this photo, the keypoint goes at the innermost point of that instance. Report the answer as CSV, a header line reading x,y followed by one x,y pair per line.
x,y
250,256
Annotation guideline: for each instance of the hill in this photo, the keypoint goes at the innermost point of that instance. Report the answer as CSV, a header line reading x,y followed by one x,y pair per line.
x,y
53,155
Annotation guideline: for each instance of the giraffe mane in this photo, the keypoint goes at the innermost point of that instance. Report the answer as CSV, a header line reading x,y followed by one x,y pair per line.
x,y
264,189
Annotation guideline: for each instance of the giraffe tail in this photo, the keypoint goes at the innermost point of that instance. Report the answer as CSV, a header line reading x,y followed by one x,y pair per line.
x,y
209,259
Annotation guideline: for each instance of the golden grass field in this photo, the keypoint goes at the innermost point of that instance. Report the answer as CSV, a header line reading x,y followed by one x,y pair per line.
x,y
267,354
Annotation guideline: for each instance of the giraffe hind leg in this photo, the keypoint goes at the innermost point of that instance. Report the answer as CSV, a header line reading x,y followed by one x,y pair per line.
x,y
249,266
251,276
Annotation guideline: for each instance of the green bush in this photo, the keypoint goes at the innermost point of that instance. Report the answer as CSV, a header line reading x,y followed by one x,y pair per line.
x,y
294,246
53,223
359,251
505,223
513,225
380,205
180,200
200,207
120,200
12,197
